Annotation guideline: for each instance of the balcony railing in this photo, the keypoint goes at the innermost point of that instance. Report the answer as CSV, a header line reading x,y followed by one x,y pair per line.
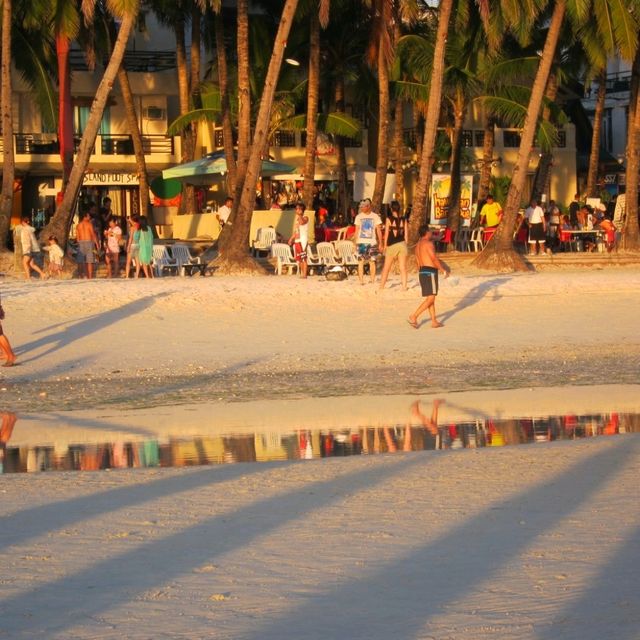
x,y
38,144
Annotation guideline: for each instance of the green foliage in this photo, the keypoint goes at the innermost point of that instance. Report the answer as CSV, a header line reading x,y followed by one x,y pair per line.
x,y
336,123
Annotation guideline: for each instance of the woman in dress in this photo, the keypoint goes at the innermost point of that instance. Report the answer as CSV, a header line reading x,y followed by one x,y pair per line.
x,y
143,237
395,244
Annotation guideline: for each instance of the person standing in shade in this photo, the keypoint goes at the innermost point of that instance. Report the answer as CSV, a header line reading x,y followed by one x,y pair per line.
x,y
574,207
491,213
395,245
300,238
428,267
143,237
537,228
88,246
113,236
224,211
368,238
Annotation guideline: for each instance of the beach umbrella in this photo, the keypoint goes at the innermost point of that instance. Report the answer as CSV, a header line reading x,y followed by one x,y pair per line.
x,y
205,170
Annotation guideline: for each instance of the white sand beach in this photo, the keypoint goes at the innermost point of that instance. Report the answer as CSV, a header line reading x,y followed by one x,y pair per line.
x,y
537,541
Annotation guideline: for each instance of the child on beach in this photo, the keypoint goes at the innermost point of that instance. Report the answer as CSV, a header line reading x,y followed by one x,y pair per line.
x,y
113,236
56,256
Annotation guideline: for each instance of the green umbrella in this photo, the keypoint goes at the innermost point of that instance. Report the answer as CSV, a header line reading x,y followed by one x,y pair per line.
x,y
204,170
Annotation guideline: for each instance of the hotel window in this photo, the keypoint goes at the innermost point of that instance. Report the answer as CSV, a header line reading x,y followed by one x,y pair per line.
x,y
511,139
478,138
284,139
606,138
467,138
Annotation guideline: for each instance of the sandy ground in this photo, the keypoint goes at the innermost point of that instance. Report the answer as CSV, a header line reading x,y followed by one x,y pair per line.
x,y
539,541
172,340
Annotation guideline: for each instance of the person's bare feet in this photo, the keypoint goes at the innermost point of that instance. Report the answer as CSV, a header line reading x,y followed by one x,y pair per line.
x,y
413,322
437,325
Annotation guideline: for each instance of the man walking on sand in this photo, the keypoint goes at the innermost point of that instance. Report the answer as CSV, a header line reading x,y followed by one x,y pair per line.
x,y
428,266
87,240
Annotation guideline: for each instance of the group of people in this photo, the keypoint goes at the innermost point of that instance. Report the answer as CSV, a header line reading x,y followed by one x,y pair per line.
x,y
547,227
94,241
372,238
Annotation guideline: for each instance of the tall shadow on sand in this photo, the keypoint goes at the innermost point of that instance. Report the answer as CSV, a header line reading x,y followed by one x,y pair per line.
x,y
440,571
85,327
476,294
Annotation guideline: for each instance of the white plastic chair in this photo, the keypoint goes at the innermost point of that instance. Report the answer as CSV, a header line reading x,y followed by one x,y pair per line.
x,y
162,260
348,254
327,254
284,259
265,237
476,239
313,261
182,256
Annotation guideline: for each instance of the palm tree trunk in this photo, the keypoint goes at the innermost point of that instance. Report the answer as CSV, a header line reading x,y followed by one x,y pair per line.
x,y
343,204
543,171
61,221
420,209
244,96
65,108
188,202
6,109
236,253
456,152
499,253
594,156
313,89
382,152
631,232
488,146
136,137
223,82
397,149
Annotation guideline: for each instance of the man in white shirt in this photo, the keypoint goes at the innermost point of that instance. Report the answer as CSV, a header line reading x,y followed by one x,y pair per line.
x,y
224,211
537,227
368,239
30,248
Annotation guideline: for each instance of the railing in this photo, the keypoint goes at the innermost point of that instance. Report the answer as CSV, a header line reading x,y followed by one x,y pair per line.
x,y
31,144
620,81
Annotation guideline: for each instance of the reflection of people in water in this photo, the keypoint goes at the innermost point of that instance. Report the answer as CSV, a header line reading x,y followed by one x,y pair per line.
x,y
430,424
7,422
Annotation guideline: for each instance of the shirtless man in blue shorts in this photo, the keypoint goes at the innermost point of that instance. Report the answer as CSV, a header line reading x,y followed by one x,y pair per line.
x,y
428,267
87,241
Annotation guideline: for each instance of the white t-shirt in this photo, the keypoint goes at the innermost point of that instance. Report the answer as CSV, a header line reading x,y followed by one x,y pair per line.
x,y
29,240
366,224
223,213
535,215
56,255
113,239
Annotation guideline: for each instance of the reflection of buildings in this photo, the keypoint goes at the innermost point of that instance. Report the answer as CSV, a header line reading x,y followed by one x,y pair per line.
x,y
306,443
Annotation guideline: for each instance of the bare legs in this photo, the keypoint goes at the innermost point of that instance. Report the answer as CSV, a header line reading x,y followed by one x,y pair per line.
x,y
6,349
372,270
386,269
29,263
429,303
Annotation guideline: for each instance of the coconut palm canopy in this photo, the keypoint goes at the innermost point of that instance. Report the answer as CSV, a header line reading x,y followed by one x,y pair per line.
x,y
204,170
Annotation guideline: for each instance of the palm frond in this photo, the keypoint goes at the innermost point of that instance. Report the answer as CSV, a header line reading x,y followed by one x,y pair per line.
x,y
196,115
413,91
335,123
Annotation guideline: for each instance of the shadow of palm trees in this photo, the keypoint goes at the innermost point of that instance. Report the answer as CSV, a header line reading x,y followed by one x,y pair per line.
x,y
80,329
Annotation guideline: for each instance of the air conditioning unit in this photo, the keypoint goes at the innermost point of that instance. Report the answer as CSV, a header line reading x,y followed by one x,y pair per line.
x,y
153,113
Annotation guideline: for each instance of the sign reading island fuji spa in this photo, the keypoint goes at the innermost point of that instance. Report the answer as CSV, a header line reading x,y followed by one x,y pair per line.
x,y
119,178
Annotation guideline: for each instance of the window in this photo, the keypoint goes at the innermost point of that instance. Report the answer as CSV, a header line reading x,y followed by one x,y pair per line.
x,y
606,139
467,138
81,118
284,139
478,138
562,139
511,139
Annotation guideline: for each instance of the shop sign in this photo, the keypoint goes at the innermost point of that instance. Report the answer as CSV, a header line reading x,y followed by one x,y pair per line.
x,y
440,188
114,178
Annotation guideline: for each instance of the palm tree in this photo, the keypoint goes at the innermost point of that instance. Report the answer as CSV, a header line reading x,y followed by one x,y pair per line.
x,y
313,98
6,109
126,11
631,233
419,211
594,156
623,24
236,250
